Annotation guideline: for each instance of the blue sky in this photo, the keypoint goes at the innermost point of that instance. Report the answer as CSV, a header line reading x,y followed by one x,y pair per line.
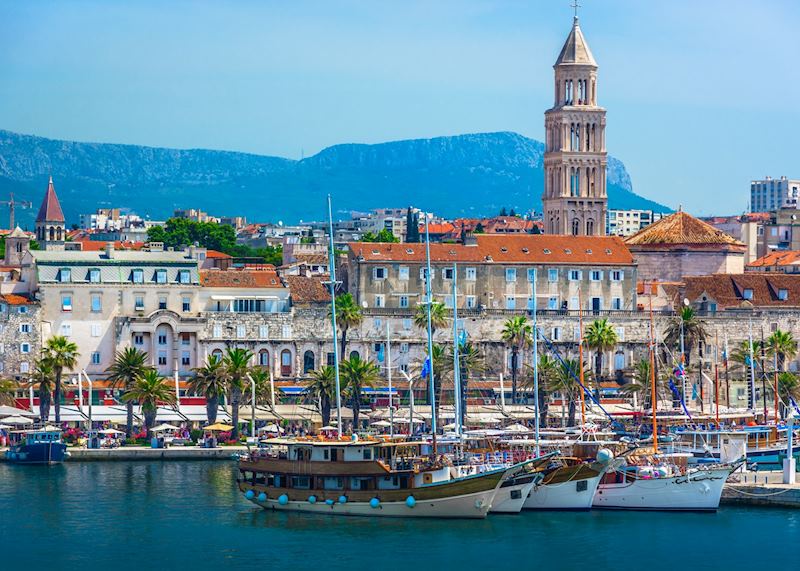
x,y
701,96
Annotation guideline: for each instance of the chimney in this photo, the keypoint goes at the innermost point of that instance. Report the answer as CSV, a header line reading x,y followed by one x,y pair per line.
x,y
110,250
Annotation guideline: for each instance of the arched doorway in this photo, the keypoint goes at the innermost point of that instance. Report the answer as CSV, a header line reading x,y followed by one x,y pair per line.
x,y
308,361
263,358
286,363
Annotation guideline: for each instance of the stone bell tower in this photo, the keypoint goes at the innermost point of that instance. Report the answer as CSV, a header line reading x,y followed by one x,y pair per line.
x,y
574,200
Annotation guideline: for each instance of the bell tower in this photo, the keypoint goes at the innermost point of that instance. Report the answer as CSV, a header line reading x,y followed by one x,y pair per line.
x,y
51,228
574,200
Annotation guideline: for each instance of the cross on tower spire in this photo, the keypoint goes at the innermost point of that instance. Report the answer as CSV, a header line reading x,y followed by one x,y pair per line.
x,y
575,7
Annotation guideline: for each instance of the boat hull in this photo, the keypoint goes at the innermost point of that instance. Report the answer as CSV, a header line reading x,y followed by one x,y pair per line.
x,y
467,506
509,499
39,453
699,491
569,495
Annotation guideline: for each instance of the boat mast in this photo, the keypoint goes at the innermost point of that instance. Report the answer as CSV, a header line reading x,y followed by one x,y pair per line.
x,y
775,391
653,402
429,302
751,399
535,366
716,375
389,377
456,358
580,357
332,288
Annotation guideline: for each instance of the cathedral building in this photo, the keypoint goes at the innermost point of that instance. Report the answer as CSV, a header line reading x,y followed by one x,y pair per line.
x,y
575,200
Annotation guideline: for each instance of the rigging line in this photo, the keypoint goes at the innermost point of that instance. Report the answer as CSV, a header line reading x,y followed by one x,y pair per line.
x,y
573,375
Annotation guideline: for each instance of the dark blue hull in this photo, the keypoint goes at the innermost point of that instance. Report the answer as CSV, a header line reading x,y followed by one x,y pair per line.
x,y
38,453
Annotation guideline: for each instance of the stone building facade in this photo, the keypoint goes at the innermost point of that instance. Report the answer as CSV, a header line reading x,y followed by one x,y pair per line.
x,y
20,336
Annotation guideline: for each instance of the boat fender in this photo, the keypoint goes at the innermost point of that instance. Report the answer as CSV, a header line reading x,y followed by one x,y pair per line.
x,y
478,504
605,455
342,499
262,497
411,501
283,499
329,502
312,499
249,494
374,503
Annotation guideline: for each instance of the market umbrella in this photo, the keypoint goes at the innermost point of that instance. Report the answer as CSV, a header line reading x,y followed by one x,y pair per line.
x,y
270,428
328,428
218,426
163,427
517,428
450,426
381,423
111,431
14,411
17,420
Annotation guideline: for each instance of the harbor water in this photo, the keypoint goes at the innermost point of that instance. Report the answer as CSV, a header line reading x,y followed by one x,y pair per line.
x,y
188,515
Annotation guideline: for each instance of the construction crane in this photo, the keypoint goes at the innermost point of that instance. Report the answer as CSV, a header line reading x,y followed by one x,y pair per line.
x,y
11,205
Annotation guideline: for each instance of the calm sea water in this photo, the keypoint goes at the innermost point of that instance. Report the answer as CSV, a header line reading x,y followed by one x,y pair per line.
x,y
188,515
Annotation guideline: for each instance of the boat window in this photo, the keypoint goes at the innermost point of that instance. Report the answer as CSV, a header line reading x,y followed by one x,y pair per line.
x,y
367,453
333,483
301,482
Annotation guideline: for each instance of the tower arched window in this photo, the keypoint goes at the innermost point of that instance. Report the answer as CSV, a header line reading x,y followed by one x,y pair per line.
x,y
52,233
576,227
590,227
58,233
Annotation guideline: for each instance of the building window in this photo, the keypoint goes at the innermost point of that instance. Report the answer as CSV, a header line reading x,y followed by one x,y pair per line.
x,y
187,304
620,334
137,276
330,359
66,303
286,363
95,358
575,275
186,359
470,302
404,301
448,301
552,302
595,275
97,302
511,274
94,276
556,334
308,361
379,301
184,277
138,303
616,303
404,347
162,357
574,303
471,274
186,339
162,303
783,294
162,339
511,302
25,348
241,331
96,330
24,327
402,273
22,309
138,339
263,358
406,324
531,275
263,331
617,275
286,331
552,275
217,331
447,273
161,276
747,293
24,367
65,275
379,273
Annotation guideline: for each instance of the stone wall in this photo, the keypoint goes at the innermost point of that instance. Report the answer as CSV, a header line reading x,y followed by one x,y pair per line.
x,y
20,340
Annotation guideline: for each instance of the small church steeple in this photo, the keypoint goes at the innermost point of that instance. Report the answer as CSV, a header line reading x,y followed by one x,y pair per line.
x,y
51,227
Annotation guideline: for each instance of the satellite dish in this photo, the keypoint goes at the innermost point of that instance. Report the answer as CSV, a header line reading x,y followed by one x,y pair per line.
x,y
364,304
686,301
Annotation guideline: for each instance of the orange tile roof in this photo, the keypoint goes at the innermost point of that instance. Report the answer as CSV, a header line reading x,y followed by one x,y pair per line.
x,y
14,299
727,290
214,254
308,289
506,248
240,278
681,229
781,258
99,245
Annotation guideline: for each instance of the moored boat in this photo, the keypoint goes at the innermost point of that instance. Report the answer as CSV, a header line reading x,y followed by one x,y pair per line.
x,y
40,446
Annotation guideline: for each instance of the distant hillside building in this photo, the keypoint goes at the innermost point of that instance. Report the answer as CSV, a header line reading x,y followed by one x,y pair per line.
x,y
681,245
575,199
773,193
629,222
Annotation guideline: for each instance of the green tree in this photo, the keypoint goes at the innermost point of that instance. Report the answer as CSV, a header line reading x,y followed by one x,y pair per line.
x,y
384,235
783,346
548,381
129,364
260,377
566,383
356,373
517,334
601,337
694,332
8,392
348,314
788,390
210,381
236,364
62,354
149,390
321,390
479,229
740,355
43,380
438,316
641,384
412,227
470,361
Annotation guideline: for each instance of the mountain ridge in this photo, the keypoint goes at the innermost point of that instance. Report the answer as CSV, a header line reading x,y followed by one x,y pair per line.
x,y
486,171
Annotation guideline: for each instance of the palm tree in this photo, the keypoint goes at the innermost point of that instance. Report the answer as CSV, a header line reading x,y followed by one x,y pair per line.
x,y
788,390
783,346
149,389
517,334
62,354
236,364
741,354
438,316
470,360
641,383
42,380
357,373
129,364
548,375
210,382
348,314
694,331
567,385
601,337
321,389
8,392
260,377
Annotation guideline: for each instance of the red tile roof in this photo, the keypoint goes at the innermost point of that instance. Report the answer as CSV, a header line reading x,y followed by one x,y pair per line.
x,y
510,248
99,245
682,229
781,258
728,290
240,279
214,254
14,299
307,289
50,210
